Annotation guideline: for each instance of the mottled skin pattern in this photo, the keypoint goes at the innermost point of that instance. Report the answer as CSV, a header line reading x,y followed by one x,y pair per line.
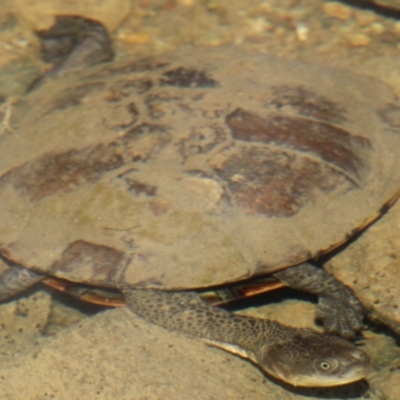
x,y
301,357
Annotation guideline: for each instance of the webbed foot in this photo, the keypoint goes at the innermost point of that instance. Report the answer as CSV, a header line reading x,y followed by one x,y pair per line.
x,y
15,280
338,307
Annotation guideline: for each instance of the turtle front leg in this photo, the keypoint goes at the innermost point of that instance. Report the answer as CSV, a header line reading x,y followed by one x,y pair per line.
x,y
73,43
15,280
338,307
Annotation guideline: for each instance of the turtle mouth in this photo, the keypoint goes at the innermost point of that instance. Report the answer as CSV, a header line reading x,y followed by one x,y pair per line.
x,y
319,381
352,374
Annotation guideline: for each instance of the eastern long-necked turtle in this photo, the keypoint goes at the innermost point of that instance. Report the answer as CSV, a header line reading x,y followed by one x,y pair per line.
x,y
197,168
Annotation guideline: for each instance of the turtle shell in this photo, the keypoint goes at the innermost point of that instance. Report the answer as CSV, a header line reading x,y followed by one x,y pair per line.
x,y
192,169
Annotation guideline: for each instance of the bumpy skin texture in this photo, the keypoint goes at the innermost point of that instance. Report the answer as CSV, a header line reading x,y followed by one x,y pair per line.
x,y
300,357
338,307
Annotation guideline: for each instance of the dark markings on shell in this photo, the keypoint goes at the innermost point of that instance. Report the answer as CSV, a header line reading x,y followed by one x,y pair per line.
x,y
101,262
73,96
64,172
139,188
187,78
271,163
273,182
128,86
67,172
329,143
391,115
202,139
305,102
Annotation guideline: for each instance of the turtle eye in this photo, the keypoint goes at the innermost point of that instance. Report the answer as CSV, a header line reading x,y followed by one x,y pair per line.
x,y
325,365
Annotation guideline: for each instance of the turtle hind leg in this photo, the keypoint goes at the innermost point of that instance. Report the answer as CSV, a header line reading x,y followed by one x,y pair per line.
x,y
16,279
338,307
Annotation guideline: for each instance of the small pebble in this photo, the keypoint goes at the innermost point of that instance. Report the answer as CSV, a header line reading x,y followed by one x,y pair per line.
x,y
302,31
377,28
259,25
365,18
186,3
135,38
359,40
337,10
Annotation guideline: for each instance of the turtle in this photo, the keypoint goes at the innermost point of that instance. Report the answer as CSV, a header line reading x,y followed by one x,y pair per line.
x,y
165,174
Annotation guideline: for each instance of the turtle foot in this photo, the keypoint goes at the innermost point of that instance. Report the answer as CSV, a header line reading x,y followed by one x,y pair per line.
x,y
338,317
15,280
73,43
338,308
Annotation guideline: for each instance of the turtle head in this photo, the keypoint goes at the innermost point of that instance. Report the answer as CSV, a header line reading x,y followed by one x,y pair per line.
x,y
311,359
